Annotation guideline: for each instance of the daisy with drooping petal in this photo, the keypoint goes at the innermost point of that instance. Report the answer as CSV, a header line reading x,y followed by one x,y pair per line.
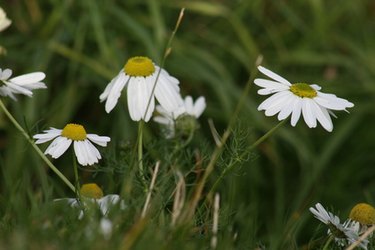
x,y
183,117
344,234
23,84
86,152
293,99
140,75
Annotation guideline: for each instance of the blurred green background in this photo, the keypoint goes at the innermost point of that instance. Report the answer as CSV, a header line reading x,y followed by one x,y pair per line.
x,y
81,46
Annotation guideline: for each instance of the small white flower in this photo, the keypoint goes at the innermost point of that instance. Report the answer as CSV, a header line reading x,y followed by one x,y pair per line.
x,y
189,108
293,99
345,234
86,152
4,21
139,75
22,84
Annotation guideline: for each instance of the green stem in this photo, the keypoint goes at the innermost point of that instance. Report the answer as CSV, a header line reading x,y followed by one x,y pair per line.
x,y
249,149
31,141
326,246
140,153
78,186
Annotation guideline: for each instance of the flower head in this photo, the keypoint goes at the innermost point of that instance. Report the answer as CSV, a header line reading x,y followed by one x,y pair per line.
x,y
363,213
86,152
183,118
22,84
140,75
88,201
4,21
293,99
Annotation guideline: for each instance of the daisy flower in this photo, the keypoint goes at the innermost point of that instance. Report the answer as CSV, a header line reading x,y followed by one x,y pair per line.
x,y
181,116
85,151
344,233
92,197
4,21
140,75
22,84
293,99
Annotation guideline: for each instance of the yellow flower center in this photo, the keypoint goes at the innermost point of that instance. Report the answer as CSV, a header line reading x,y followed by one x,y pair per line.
x,y
139,66
91,190
303,90
363,213
75,132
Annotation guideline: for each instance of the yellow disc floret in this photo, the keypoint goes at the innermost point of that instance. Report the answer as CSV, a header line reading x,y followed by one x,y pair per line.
x,y
91,190
74,132
139,66
303,90
363,213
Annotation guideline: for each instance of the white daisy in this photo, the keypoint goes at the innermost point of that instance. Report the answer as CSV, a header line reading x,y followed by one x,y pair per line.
x,y
344,234
22,84
92,197
294,99
139,75
188,109
4,21
86,152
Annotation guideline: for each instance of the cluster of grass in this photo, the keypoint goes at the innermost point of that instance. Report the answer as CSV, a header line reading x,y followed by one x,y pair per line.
x,y
264,199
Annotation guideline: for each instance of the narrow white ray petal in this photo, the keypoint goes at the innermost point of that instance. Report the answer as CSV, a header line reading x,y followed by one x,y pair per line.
x,y
188,103
93,154
323,117
139,94
80,152
35,85
269,84
5,74
297,108
166,94
288,107
103,96
273,75
308,112
49,135
100,140
162,120
271,100
278,104
199,106
316,87
333,102
28,78
58,147
115,92
18,89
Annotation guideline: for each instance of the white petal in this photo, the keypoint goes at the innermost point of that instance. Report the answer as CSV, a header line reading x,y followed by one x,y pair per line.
x,y
199,107
323,117
278,104
28,78
115,91
18,89
5,74
100,140
188,103
86,153
333,102
316,87
162,120
58,147
273,75
47,136
269,102
270,85
288,108
139,94
166,93
308,112
297,107
108,88
107,201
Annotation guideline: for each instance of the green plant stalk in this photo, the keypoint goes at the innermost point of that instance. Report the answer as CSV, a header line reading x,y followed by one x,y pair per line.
x,y
140,154
78,186
41,154
328,242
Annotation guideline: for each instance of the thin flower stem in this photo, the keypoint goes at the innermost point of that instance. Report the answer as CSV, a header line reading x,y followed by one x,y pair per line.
x,y
166,53
78,186
148,198
326,246
140,154
218,150
249,149
31,141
